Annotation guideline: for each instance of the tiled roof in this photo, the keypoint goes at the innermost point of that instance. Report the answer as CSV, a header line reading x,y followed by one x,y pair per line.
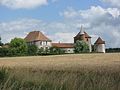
x,y
99,41
63,45
36,36
86,35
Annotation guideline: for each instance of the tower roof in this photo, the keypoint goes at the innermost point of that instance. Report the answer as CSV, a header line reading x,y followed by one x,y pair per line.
x,y
36,36
99,41
82,32
86,35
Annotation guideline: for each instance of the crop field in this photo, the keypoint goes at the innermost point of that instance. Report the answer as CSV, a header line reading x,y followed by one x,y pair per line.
x,y
61,62
61,72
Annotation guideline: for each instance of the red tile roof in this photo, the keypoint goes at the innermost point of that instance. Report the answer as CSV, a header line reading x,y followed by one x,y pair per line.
x,y
99,41
36,36
63,45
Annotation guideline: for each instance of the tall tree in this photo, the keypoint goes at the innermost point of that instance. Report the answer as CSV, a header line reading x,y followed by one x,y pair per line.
x,y
19,45
81,47
1,42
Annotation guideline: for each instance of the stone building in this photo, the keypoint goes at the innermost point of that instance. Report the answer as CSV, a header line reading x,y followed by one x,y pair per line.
x,y
82,35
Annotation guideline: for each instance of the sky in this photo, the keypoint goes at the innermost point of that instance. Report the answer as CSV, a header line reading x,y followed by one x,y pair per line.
x,y
60,20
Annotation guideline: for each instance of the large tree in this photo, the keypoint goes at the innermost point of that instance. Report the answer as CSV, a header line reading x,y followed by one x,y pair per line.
x,y
32,50
1,42
19,46
81,47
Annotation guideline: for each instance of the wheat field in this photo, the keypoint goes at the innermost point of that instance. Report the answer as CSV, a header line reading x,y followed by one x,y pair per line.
x,y
71,61
61,72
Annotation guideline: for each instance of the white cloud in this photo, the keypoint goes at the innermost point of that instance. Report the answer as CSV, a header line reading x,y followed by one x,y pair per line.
x,y
18,4
115,3
98,21
64,37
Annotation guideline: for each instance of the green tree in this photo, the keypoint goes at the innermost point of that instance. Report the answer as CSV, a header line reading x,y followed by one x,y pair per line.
x,y
81,47
19,46
3,52
41,51
32,50
1,42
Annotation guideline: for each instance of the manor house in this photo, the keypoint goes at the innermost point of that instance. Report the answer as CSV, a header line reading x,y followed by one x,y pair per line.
x,y
41,41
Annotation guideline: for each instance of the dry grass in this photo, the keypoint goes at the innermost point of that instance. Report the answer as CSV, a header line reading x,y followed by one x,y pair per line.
x,y
111,60
64,72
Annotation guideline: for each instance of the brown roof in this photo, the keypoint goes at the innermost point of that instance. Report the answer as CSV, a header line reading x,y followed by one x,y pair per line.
x,y
99,41
86,35
63,45
36,36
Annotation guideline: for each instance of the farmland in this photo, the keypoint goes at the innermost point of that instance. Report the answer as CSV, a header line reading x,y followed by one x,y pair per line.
x,y
62,72
62,62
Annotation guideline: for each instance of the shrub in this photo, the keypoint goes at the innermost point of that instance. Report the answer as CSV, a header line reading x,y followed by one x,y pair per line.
x,y
3,52
55,50
32,50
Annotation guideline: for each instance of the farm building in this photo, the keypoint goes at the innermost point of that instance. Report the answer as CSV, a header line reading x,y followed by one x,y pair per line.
x,y
68,47
41,41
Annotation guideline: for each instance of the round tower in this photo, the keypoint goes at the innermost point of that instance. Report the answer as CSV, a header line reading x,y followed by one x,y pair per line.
x,y
99,46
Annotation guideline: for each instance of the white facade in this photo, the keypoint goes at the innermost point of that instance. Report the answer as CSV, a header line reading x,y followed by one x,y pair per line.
x,y
100,48
90,45
42,44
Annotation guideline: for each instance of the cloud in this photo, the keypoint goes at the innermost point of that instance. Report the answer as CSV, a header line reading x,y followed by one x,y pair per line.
x,y
115,3
98,21
27,4
56,31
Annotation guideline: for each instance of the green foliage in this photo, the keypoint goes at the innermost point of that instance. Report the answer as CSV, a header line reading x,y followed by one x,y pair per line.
x,y
55,50
81,47
19,45
32,50
4,52
41,51
1,44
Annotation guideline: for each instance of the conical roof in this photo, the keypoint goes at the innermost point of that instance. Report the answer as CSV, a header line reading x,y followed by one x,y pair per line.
x,y
86,35
82,32
99,41
36,36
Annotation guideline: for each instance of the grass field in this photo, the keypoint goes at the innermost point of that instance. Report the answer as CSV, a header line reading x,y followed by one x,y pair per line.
x,y
65,61
61,72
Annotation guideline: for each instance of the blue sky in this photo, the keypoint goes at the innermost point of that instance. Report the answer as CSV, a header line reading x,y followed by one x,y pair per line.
x,y
60,19
48,12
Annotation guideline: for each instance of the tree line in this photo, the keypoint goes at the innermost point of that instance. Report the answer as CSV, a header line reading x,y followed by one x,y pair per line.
x,y
19,47
111,50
